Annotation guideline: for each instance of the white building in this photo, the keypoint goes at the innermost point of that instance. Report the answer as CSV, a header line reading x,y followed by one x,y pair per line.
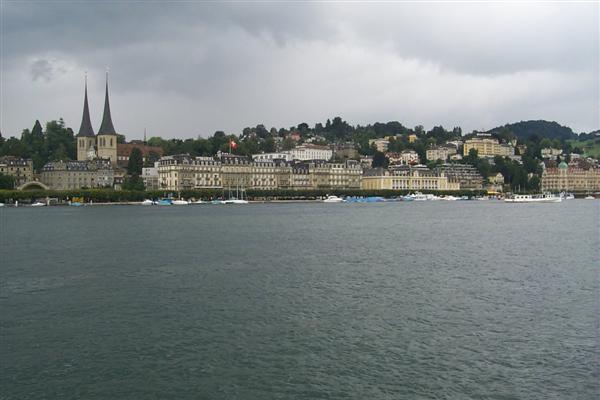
x,y
550,152
409,157
150,177
272,156
307,152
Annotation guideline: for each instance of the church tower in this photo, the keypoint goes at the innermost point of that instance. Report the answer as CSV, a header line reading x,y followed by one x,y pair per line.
x,y
107,136
85,138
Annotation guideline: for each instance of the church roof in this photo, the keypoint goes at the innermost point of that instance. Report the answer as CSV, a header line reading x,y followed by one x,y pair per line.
x,y
106,128
86,125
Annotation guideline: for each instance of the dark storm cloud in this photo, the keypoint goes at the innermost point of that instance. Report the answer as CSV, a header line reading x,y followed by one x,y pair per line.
x,y
186,68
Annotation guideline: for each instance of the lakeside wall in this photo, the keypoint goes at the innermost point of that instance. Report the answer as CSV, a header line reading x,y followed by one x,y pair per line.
x,y
109,195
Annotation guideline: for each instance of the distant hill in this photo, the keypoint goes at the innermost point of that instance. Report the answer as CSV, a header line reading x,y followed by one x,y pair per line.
x,y
544,129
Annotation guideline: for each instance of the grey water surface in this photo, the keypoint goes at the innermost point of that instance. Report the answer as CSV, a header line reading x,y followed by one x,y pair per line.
x,y
419,300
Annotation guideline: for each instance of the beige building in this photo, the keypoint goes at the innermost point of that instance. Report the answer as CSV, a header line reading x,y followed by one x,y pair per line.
x,y
467,175
19,168
380,144
64,175
571,179
103,145
345,175
487,146
183,172
407,179
440,152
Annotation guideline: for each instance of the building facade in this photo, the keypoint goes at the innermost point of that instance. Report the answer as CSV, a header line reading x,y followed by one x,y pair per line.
x,y
310,151
150,177
21,169
416,179
488,147
466,174
440,152
571,179
381,145
182,172
65,175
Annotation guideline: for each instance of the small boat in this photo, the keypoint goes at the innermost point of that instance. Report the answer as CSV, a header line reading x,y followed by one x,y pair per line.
x,y
423,197
567,196
235,201
180,202
449,198
76,204
590,197
533,198
164,202
38,204
198,202
333,199
1,204
147,202
217,202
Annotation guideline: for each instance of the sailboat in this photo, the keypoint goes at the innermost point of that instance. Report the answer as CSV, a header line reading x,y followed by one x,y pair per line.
x,y
239,198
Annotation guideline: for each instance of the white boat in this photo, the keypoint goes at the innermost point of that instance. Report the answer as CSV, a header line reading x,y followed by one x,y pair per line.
x,y
418,196
333,199
199,202
147,202
449,198
567,196
239,195
235,201
1,204
590,197
38,204
180,202
533,198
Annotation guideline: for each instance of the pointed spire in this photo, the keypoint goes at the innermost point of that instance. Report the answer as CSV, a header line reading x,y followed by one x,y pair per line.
x,y
145,141
106,128
86,125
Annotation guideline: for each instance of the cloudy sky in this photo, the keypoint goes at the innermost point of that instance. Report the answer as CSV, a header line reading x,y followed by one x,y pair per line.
x,y
183,69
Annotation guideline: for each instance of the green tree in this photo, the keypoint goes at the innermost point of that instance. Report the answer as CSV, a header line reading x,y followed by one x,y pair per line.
x,y
288,144
136,162
133,182
7,182
380,160
151,159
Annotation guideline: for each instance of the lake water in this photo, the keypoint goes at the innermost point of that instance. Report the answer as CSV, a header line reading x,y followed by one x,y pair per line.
x,y
426,300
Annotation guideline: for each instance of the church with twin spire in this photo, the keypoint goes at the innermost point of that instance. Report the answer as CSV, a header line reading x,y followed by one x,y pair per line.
x,y
103,145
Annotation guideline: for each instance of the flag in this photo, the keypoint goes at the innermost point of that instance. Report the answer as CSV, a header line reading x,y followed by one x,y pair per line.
x,y
233,144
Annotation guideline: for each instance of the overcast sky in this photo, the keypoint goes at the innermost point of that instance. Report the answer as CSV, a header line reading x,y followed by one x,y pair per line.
x,y
188,68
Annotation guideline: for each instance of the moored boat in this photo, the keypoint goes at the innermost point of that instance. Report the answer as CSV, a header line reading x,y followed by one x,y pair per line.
x,y
38,204
333,199
180,202
147,202
533,198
